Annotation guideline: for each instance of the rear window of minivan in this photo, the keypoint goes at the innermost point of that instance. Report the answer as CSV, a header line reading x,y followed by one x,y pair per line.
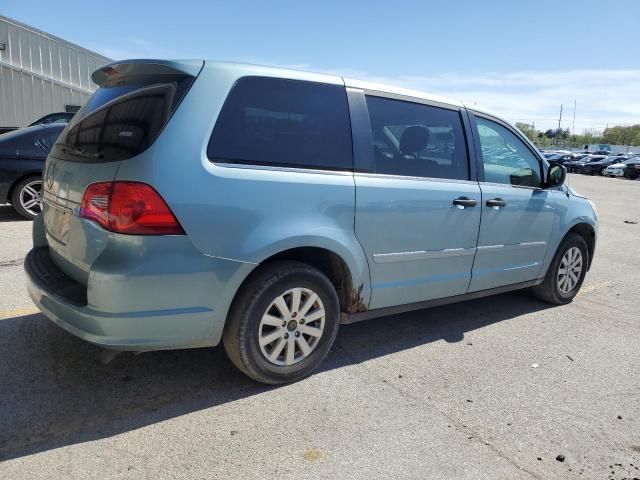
x,y
122,118
281,122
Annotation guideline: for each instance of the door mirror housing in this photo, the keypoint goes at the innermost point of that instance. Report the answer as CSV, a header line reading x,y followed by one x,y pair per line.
x,y
556,175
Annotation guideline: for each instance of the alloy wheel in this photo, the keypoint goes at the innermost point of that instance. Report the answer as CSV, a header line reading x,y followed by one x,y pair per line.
x,y
31,197
291,327
570,270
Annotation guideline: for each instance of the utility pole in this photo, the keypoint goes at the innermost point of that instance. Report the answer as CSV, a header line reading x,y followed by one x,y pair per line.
x,y
573,124
559,122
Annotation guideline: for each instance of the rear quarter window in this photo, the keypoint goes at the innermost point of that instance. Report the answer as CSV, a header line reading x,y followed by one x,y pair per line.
x,y
273,121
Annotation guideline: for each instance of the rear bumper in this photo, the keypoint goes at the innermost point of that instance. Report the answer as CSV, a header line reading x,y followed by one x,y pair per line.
x,y
153,325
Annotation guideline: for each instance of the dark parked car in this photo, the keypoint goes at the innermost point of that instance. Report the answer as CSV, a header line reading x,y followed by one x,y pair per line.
x,y
576,165
632,169
22,156
597,167
562,158
58,117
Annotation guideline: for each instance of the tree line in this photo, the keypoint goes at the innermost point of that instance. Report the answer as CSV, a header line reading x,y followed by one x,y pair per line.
x,y
562,136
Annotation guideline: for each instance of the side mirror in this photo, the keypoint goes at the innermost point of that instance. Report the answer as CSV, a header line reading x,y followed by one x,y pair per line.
x,y
556,175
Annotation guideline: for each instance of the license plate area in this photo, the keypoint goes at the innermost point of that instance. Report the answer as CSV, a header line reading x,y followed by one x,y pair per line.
x,y
57,221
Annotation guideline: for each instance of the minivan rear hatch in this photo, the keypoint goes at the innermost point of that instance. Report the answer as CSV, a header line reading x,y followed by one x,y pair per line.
x,y
120,121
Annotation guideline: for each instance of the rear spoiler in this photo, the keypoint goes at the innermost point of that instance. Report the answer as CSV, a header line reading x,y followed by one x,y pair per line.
x,y
134,68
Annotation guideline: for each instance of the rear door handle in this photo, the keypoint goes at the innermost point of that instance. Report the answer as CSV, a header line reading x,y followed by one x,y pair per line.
x,y
462,202
496,203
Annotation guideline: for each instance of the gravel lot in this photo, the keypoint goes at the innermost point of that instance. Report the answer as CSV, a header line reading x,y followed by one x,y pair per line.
x,y
490,389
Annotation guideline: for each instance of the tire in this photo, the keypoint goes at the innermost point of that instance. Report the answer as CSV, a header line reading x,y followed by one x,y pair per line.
x,y
257,300
550,289
21,196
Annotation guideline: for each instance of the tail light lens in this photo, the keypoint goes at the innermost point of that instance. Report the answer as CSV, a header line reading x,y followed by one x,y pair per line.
x,y
95,203
129,207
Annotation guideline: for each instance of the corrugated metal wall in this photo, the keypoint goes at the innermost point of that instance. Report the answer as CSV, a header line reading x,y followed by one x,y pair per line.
x,y
40,73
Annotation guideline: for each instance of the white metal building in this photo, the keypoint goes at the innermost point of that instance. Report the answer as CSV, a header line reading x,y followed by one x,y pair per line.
x,y
41,74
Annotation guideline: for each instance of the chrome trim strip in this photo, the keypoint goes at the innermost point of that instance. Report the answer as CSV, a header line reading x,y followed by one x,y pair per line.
x,y
521,187
385,176
533,244
422,255
507,248
277,168
518,267
489,247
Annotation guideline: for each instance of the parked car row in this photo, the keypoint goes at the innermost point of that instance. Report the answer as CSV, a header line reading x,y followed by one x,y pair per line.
x,y
623,166
612,165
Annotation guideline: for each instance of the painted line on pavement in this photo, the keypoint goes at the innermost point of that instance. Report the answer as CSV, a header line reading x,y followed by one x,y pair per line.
x,y
18,312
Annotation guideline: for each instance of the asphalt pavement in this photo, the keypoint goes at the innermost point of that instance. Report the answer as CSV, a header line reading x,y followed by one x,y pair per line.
x,y
505,387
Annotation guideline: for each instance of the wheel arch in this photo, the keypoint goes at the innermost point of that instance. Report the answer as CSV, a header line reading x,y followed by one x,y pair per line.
x,y
18,180
351,288
588,233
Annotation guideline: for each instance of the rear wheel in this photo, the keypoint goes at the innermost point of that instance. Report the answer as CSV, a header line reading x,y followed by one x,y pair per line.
x,y
566,272
27,197
282,323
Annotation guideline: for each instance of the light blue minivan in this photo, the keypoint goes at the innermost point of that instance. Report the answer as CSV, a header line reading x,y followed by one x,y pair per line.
x,y
193,202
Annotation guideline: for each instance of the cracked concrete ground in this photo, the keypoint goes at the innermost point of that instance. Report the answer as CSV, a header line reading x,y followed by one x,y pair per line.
x,y
490,389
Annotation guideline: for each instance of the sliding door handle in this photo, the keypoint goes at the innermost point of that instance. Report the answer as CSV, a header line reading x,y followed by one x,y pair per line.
x,y
496,203
462,202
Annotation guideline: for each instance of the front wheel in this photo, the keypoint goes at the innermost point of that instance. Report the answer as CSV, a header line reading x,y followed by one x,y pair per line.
x,y
282,323
566,272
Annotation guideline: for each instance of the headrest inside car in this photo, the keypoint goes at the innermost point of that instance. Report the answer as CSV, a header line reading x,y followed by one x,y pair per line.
x,y
414,139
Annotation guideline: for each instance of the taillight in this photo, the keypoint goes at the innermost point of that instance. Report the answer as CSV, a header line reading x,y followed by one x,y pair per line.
x,y
95,203
129,207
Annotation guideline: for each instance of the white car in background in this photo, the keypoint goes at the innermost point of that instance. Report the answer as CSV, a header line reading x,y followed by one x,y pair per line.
x,y
617,169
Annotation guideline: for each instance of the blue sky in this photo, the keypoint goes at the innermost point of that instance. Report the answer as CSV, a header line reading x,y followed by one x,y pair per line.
x,y
520,58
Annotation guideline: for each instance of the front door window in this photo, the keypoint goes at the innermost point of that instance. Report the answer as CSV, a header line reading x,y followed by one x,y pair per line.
x,y
506,159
